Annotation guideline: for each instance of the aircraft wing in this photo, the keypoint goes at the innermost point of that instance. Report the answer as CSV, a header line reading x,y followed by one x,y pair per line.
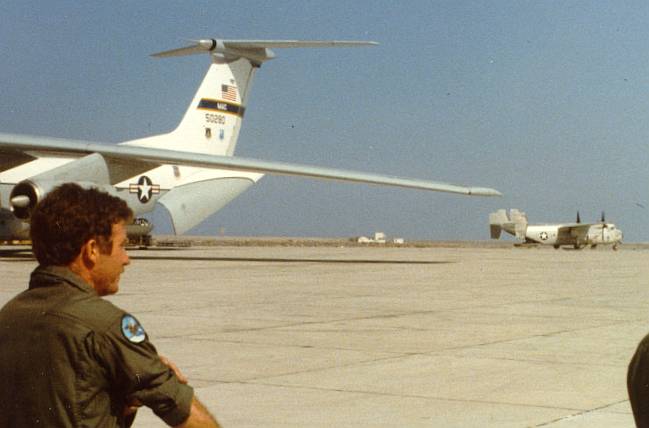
x,y
16,149
575,229
569,226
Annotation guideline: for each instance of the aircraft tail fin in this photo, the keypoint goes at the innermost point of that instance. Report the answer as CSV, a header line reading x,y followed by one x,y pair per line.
x,y
519,218
212,122
213,119
496,221
515,223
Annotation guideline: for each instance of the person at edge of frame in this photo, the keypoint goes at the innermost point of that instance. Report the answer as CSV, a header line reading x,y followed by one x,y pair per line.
x,y
68,357
638,383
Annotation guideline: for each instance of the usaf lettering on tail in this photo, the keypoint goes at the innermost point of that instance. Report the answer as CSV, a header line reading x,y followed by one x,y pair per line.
x,y
577,235
190,171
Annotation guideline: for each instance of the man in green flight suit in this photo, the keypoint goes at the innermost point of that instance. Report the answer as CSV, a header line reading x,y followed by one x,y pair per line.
x,y
69,358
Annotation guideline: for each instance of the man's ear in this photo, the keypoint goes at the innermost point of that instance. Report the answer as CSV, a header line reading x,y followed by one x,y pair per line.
x,y
90,252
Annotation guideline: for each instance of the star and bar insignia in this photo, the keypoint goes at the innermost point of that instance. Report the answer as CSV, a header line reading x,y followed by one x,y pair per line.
x,y
144,188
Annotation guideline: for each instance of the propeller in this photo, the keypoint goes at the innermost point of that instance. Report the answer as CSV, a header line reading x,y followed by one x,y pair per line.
x,y
604,224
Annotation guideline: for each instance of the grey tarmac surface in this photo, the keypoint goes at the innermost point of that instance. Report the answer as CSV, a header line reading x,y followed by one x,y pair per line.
x,y
391,337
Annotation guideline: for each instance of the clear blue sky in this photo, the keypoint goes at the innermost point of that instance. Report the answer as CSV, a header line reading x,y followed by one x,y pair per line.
x,y
547,102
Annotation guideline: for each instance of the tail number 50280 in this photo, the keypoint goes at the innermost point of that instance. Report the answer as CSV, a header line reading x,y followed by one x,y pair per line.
x,y
215,118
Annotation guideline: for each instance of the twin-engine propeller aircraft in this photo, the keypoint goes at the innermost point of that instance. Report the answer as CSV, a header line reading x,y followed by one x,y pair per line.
x,y
190,171
577,235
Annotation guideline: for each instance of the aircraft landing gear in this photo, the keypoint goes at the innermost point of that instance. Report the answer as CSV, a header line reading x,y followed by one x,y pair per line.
x,y
139,233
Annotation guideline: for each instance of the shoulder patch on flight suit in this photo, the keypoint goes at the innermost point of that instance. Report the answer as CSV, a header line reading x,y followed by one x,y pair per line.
x,y
132,329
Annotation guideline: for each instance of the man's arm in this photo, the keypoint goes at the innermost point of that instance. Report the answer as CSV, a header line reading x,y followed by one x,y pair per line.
x,y
199,417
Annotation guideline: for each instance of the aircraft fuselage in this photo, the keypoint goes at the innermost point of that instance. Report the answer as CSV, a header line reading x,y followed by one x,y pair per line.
x,y
558,235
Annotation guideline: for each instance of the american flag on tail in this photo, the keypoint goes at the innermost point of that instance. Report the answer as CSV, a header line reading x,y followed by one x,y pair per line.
x,y
229,92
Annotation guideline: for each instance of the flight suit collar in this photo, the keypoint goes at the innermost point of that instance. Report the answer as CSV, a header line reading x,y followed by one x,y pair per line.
x,y
44,276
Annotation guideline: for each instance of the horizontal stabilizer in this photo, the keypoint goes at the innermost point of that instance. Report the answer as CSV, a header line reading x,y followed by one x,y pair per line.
x,y
256,50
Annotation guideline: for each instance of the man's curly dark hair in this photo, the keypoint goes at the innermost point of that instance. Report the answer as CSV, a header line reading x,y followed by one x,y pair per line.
x,y
68,217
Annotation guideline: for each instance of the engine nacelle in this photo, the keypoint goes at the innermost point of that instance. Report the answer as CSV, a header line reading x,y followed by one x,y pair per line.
x,y
89,171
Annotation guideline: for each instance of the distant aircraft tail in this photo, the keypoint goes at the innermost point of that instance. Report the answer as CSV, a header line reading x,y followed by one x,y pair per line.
x,y
514,224
496,221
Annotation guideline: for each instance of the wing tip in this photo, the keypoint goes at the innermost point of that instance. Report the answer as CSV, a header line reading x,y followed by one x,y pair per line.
x,y
483,191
